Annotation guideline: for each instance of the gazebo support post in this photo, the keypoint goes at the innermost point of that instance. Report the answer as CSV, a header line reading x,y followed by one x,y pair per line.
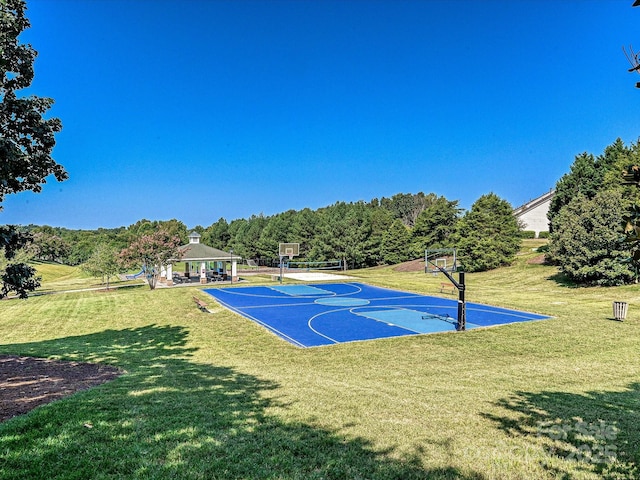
x,y
203,273
169,275
163,274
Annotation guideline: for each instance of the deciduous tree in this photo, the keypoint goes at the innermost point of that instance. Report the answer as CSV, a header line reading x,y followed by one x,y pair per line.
x,y
405,206
16,275
103,263
49,247
152,251
26,139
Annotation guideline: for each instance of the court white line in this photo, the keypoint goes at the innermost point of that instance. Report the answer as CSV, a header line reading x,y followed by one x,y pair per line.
x,y
448,305
264,325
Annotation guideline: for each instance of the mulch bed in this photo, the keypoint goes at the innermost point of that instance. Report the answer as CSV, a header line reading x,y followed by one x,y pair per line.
x,y
27,382
412,266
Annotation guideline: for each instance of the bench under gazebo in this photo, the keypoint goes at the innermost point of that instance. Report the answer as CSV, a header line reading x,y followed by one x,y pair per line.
x,y
202,262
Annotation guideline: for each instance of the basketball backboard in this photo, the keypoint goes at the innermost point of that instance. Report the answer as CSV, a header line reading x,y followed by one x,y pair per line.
x,y
289,250
439,259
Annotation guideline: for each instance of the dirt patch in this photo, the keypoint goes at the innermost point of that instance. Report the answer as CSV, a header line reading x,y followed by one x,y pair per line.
x,y
537,260
27,382
411,266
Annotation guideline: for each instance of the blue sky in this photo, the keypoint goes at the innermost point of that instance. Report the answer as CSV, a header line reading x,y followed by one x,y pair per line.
x,y
201,109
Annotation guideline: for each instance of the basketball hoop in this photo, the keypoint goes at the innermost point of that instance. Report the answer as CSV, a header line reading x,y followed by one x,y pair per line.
x,y
440,260
443,260
287,250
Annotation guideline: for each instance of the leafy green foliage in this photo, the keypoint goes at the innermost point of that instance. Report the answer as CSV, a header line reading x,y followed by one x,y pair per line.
x,y
277,230
217,235
396,243
103,263
488,236
12,240
435,225
304,227
152,251
26,141
358,233
589,175
26,137
343,231
583,179
587,243
49,247
361,234
145,227
381,221
19,278
16,275
631,228
406,207
586,239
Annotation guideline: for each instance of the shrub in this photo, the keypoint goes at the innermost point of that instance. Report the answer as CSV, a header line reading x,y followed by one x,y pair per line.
x,y
587,240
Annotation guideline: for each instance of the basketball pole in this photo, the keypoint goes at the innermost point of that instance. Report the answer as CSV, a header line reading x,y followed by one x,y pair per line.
x,y
462,307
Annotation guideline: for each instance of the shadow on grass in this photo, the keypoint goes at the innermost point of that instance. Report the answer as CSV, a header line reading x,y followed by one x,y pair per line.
x,y
172,418
563,280
597,432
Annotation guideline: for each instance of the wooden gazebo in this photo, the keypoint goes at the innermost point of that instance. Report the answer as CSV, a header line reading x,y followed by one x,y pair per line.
x,y
203,261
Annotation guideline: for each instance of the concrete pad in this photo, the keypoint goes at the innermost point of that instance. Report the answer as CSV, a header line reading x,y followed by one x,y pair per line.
x,y
315,276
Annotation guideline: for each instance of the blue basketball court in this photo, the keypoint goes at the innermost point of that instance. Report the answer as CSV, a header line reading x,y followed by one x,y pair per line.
x,y
326,314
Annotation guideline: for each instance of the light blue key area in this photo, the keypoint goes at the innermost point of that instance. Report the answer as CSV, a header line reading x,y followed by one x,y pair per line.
x,y
301,290
411,320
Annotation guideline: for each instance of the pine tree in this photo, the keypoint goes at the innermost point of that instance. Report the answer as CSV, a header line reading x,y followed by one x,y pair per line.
x,y
488,236
396,244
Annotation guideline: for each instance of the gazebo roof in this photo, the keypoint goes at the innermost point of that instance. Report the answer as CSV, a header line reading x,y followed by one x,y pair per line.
x,y
195,251
199,252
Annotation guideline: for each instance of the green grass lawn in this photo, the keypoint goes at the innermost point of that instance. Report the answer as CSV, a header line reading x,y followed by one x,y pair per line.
x,y
56,278
215,396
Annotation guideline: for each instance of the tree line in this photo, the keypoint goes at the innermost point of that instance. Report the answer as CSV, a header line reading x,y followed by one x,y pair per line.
x,y
361,234
594,222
